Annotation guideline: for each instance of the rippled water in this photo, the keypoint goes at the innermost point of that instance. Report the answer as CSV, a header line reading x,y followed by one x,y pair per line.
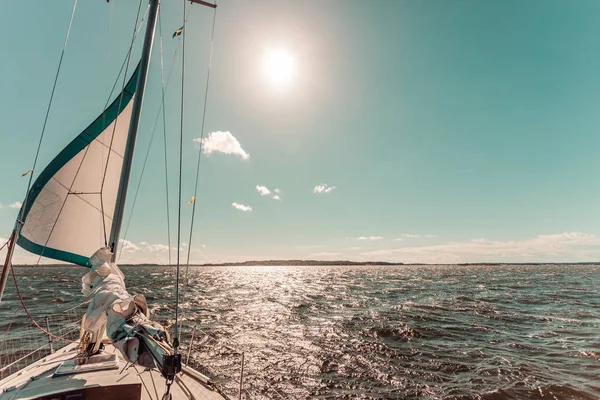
x,y
434,332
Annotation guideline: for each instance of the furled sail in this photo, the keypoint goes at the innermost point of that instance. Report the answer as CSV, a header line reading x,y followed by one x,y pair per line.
x,y
69,208
123,317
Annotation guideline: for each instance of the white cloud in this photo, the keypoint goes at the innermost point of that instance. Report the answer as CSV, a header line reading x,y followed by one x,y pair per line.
x,y
563,247
417,236
263,190
324,188
157,247
127,246
222,142
369,238
277,195
241,207
16,204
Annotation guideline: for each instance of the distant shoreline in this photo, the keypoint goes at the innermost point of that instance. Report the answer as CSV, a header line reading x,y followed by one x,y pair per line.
x,y
298,263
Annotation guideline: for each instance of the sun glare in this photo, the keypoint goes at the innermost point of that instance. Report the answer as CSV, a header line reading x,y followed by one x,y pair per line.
x,y
279,67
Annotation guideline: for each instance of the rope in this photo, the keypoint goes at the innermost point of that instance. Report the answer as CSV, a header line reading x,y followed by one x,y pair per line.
x,y
7,330
12,270
153,384
126,58
162,85
125,62
62,54
37,153
150,145
115,123
189,249
183,34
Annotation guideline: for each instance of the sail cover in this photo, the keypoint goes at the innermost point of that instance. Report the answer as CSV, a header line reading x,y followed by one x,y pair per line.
x,y
69,208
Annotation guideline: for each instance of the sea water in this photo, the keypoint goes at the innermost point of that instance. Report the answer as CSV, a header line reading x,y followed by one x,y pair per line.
x,y
370,332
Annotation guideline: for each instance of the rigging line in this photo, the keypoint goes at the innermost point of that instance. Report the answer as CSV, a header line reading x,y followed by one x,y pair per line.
x,y
12,270
183,34
139,27
149,146
162,83
153,384
189,249
8,330
127,56
37,153
143,382
115,125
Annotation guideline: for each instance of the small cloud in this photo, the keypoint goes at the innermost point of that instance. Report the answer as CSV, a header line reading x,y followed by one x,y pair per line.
x,y
263,190
16,204
369,238
417,236
397,240
127,246
276,195
222,142
324,188
241,207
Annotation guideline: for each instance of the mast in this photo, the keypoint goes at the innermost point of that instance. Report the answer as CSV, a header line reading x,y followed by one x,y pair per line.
x,y
136,111
8,261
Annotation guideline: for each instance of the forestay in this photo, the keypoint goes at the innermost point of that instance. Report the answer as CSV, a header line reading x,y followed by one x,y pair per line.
x,y
69,208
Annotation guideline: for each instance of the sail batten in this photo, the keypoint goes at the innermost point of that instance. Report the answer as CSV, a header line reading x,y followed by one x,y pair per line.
x,y
71,203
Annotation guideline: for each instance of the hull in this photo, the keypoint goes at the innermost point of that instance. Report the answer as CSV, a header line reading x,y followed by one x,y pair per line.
x,y
57,377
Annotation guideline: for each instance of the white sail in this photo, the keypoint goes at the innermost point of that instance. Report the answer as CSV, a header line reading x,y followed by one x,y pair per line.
x,y
69,208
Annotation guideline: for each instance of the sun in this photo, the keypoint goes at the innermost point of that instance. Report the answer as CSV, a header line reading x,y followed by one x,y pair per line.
x,y
279,66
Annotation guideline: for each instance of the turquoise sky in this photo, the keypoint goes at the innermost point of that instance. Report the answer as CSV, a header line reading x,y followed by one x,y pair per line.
x,y
452,131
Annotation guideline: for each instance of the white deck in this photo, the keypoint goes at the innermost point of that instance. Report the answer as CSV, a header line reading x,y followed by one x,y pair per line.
x,y
37,381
